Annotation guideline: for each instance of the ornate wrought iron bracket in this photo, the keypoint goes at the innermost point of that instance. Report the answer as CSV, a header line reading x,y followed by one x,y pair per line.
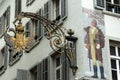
x,y
54,32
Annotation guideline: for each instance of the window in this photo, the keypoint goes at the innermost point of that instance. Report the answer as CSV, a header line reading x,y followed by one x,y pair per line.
x,y
99,4
27,29
34,28
58,69
109,5
17,7
60,66
46,13
42,70
38,27
47,10
29,2
3,59
115,59
14,56
59,10
5,20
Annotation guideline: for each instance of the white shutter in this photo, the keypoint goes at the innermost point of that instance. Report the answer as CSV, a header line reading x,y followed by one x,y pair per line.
x,y
0,26
43,70
5,56
63,8
65,68
22,74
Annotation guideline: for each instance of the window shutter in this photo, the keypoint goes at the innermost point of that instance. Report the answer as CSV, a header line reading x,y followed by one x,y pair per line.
x,y
57,9
22,74
99,4
8,17
0,26
47,10
11,56
1,59
46,69
65,68
40,25
39,71
17,7
63,8
43,70
6,56
27,28
38,29
46,14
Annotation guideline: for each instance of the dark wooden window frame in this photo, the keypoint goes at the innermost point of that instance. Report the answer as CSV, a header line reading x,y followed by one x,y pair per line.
x,y
29,2
4,51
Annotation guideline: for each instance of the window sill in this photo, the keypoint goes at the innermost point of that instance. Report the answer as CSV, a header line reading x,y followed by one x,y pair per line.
x,y
2,69
29,2
99,8
111,14
90,78
15,60
60,21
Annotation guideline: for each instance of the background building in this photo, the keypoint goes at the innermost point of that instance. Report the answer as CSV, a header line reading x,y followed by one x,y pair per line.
x,y
42,63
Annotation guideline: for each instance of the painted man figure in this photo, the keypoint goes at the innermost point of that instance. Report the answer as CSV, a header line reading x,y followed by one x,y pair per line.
x,y
94,42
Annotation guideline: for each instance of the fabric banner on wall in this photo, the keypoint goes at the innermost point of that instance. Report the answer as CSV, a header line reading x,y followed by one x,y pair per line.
x,y
94,42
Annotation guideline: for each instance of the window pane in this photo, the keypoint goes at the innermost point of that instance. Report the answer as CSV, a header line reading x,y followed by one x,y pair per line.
x,y
114,75
119,65
112,50
100,3
119,51
113,64
58,74
57,61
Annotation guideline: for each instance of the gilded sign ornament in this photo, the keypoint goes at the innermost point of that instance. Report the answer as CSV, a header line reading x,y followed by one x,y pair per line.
x,y
18,41
54,33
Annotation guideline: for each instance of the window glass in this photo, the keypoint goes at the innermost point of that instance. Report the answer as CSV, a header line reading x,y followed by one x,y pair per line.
x,y
113,64
112,50
114,75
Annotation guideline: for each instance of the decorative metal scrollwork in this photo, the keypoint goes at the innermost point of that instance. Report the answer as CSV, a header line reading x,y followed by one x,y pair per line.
x,y
53,32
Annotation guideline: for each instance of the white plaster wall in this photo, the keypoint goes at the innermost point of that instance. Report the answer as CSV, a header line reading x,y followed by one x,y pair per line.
x,y
112,25
88,4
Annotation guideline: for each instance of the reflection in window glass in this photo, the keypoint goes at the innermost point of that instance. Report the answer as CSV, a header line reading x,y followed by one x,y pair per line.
x,y
119,51
113,64
114,75
112,50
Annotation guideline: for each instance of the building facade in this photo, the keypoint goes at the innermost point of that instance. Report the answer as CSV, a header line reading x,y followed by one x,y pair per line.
x,y
97,49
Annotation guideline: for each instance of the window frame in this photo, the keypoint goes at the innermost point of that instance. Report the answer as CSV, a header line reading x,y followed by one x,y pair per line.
x,y
4,51
62,7
14,58
5,20
29,2
110,11
115,57
58,68
64,66
31,31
